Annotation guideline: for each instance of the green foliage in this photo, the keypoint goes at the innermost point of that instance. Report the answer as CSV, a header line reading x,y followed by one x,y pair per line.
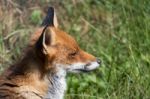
x,y
116,31
36,17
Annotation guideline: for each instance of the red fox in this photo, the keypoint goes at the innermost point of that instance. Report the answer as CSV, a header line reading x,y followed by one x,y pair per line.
x,y
41,72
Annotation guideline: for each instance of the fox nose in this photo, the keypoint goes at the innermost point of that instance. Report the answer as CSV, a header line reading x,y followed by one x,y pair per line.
x,y
98,61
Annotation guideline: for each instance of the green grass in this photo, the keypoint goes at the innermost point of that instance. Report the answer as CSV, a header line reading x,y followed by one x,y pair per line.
x,y
116,31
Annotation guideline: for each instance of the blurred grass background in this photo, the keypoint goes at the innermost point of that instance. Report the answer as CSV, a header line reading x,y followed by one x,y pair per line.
x,y
116,31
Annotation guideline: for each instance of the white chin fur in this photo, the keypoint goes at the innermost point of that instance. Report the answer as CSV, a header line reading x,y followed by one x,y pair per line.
x,y
93,66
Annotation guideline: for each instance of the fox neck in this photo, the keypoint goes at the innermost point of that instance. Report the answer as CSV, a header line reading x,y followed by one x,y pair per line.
x,y
57,85
55,81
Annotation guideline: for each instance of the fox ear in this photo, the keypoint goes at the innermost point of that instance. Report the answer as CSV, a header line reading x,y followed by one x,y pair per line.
x,y
55,20
50,19
46,40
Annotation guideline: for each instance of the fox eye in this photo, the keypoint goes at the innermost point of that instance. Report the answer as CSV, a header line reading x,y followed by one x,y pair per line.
x,y
73,53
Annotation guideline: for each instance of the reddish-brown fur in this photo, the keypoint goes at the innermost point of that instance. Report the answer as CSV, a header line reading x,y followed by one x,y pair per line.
x,y
29,74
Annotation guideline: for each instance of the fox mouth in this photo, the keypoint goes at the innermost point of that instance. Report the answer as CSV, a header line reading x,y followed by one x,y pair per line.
x,y
82,70
81,67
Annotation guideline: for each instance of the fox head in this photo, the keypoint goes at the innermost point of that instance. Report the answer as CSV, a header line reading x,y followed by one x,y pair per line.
x,y
60,51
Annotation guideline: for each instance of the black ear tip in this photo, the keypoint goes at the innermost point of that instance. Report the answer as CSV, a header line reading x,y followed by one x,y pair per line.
x,y
50,9
49,17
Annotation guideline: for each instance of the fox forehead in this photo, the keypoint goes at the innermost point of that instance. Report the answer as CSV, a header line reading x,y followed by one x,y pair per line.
x,y
60,37
65,39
